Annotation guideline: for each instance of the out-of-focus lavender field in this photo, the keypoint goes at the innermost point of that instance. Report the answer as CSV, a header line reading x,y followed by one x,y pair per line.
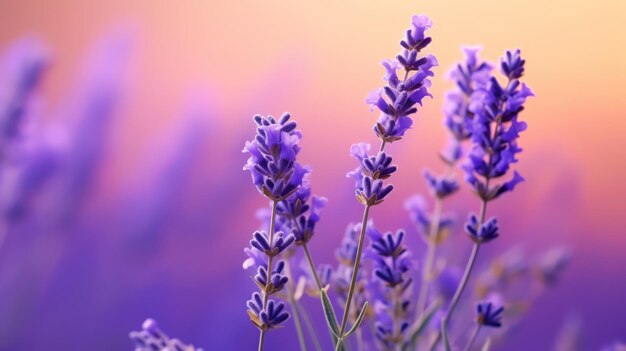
x,y
122,191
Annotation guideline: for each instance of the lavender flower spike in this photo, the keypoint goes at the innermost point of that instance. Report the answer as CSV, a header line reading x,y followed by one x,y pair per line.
x,y
494,132
398,99
391,273
272,161
277,175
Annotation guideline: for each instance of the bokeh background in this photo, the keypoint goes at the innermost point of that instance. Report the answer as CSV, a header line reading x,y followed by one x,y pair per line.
x,y
139,207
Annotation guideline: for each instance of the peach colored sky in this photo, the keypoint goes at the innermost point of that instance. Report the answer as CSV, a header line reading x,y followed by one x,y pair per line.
x,y
319,59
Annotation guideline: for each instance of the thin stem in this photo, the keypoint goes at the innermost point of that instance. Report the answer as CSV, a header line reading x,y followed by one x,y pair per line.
x,y
294,305
397,292
430,257
355,271
269,268
309,328
472,338
312,266
382,146
457,294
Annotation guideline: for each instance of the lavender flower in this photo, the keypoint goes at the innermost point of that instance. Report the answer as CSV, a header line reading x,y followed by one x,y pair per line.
x,y
391,266
496,129
272,161
482,232
442,186
397,100
369,176
489,315
300,212
151,338
468,76
494,132
551,264
416,206
277,175
270,317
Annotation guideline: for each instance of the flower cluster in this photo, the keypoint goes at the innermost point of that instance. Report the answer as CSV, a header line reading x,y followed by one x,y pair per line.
x,y
391,271
496,128
272,162
397,100
416,206
151,338
468,76
482,232
300,212
278,176
489,315
369,175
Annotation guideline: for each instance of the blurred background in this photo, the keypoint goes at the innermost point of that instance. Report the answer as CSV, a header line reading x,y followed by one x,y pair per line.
x,y
123,195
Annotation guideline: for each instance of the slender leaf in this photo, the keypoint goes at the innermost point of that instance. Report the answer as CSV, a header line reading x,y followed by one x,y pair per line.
x,y
418,327
358,321
329,313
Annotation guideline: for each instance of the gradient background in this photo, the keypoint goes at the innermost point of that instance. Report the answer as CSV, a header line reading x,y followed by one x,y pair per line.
x,y
85,287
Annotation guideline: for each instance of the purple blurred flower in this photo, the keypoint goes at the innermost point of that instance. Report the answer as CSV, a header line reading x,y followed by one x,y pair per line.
x,y
488,314
392,280
441,186
151,338
482,232
300,212
468,76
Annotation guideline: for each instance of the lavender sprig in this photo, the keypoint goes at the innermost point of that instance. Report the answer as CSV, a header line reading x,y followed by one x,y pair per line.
x,y
495,130
468,76
277,175
397,102
391,266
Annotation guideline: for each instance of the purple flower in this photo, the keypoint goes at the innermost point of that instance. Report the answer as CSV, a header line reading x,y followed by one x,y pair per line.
x,y
416,206
549,267
392,282
372,192
442,186
23,68
272,284
495,130
266,318
272,162
489,315
151,338
300,213
398,99
468,76
482,233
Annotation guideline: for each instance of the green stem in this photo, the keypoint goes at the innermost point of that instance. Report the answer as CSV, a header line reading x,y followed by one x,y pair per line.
x,y
355,271
472,338
269,268
430,257
294,304
464,280
312,266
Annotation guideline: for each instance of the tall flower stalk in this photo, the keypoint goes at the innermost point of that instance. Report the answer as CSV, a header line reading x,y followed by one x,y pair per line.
x,y
468,75
391,273
277,175
495,131
397,103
